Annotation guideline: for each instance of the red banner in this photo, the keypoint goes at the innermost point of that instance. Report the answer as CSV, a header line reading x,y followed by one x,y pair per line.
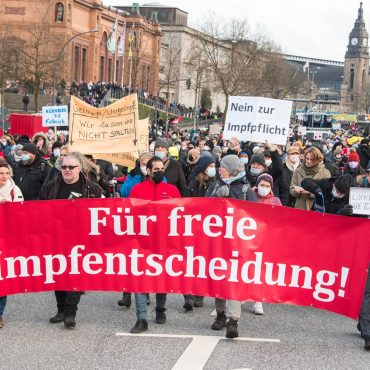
x,y
210,247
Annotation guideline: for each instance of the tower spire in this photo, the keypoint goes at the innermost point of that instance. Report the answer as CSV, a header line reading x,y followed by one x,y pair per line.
x,y
360,13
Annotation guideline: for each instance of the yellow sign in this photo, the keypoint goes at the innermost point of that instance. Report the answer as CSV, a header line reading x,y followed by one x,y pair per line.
x,y
113,129
345,117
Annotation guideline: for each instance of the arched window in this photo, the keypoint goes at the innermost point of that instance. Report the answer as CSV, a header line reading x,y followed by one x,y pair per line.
x,y
59,12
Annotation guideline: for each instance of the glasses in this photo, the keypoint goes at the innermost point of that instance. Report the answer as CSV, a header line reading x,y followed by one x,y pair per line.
x,y
69,167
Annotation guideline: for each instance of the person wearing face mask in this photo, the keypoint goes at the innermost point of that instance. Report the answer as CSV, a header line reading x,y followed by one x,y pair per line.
x,y
15,155
40,140
204,175
172,168
5,146
154,188
291,163
364,153
244,157
353,167
31,172
312,167
231,184
363,181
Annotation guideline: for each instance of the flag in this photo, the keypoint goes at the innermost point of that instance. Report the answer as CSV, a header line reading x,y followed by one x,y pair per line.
x,y
122,44
306,66
177,120
112,40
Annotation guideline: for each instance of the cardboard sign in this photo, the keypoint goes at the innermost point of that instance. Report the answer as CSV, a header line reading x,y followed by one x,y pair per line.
x,y
359,198
113,129
214,129
55,116
258,119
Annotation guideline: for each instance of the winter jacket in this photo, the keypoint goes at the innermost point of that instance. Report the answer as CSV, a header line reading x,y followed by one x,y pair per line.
x,y
305,201
130,182
148,190
175,175
89,188
364,154
268,199
30,177
11,192
287,175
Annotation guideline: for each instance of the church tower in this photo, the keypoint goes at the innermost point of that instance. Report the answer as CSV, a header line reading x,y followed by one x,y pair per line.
x,y
356,69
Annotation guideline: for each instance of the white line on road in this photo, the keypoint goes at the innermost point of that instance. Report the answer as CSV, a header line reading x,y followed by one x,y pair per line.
x,y
199,350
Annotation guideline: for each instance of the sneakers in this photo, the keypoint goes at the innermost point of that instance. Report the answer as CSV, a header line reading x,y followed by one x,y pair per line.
x,y
189,304
140,326
2,324
367,343
258,309
59,317
69,322
125,301
160,316
198,301
220,321
232,329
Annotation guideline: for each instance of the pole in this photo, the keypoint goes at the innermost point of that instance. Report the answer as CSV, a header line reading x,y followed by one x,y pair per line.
x,y
59,55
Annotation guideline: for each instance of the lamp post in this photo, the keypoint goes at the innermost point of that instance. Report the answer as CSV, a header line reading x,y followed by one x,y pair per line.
x,y
59,55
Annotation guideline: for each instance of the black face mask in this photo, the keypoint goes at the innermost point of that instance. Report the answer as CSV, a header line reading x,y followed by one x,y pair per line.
x,y
157,177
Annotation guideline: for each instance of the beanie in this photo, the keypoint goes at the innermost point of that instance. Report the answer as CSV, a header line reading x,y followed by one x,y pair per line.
x,y
353,157
265,177
343,183
161,142
258,158
232,164
203,162
30,148
56,144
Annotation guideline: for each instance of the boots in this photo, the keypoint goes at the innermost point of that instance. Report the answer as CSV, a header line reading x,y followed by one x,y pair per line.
x,y
220,321
232,328
59,317
160,316
2,324
189,303
125,301
69,321
140,326
198,301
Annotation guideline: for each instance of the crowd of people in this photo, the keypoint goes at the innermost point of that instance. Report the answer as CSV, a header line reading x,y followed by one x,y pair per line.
x,y
305,174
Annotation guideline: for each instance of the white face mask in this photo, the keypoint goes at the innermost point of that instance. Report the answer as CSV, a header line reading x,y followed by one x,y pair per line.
x,y
262,191
268,162
143,170
353,164
159,154
211,172
245,160
294,158
255,171
335,193
56,152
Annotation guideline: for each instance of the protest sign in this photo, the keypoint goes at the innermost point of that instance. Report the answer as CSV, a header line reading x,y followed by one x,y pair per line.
x,y
302,130
112,129
258,119
359,198
55,116
225,248
336,126
214,129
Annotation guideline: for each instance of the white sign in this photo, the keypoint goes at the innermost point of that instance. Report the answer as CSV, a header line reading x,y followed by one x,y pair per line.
x,y
302,130
359,198
214,129
258,119
55,116
336,126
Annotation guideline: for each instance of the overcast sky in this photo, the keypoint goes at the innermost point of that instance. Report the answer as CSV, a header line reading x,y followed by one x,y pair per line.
x,y
312,28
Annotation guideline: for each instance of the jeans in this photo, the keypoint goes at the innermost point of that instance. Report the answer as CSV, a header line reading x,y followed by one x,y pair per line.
x,y
2,305
67,302
364,319
232,308
141,306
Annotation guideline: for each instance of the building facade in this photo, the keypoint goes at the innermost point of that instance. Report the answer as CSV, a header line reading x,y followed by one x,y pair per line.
x,y
67,41
355,87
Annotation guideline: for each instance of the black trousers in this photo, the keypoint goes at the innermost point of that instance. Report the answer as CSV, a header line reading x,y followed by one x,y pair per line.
x,y
67,302
364,319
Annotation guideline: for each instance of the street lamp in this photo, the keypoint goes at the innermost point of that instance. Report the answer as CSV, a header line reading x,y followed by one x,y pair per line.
x,y
59,55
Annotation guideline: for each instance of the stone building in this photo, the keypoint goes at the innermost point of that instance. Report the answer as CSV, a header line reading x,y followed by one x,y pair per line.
x,y
64,29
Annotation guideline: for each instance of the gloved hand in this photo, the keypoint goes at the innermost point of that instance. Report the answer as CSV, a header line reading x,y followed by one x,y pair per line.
x,y
347,210
311,186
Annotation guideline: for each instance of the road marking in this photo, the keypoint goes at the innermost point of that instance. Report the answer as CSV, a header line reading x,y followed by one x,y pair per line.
x,y
200,348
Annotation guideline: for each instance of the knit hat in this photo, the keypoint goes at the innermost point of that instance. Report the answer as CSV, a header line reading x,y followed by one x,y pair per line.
x,y
193,156
203,162
217,150
232,164
343,183
258,158
30,148
353,157
56,144
265,177
293,149
161,142
210,144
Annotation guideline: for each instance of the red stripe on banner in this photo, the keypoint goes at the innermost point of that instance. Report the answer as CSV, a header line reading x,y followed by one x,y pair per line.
x,y
210,247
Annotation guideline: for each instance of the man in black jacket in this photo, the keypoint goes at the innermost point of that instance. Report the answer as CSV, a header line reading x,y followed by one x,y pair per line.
x,y
31,172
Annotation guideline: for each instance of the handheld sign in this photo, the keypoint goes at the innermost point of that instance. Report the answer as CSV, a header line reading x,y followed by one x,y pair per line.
x,y
55,116
214,129
359,198
258,119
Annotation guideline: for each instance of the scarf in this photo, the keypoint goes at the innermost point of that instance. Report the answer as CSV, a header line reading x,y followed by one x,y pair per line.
x,y
291,166
6,189
312,171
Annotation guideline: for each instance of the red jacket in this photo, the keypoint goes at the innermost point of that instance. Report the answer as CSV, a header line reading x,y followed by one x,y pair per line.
x,y
148,190
268,199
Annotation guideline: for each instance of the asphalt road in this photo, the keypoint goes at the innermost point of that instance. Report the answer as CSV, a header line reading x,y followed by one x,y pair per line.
x,y
286,337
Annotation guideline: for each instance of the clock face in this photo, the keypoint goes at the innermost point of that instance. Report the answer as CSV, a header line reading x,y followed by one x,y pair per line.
x,y
364,42
354,41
